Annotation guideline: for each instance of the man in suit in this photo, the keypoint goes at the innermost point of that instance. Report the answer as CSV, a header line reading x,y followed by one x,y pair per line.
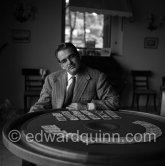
x,y
91,89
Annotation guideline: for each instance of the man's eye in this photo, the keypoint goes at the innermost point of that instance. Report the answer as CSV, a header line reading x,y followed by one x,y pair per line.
x,y
63,61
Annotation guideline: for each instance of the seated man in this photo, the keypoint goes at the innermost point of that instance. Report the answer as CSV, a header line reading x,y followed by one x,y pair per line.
x,y
89,89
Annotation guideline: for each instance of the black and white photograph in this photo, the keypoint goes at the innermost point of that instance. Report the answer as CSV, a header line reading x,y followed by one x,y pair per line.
x,y
82,83
21,36
151,42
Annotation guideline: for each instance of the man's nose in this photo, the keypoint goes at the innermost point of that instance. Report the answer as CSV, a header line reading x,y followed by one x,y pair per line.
x,y
69,60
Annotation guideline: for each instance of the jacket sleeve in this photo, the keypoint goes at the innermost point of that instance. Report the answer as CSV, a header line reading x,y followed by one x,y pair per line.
x,y
44,101
107,96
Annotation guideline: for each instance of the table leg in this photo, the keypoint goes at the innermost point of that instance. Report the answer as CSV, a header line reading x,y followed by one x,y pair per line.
x,y
27,163
162,111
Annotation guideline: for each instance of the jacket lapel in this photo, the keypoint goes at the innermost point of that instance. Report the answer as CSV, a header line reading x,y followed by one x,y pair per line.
x,y
82,81
60,89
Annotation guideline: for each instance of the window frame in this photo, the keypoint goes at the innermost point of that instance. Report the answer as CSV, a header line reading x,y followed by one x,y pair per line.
x,y
114,39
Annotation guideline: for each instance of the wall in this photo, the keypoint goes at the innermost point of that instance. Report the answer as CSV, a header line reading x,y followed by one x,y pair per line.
x,y
46,34
135,56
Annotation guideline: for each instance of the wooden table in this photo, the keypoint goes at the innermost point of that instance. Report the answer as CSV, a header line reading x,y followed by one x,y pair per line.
x,y
162,111
63,138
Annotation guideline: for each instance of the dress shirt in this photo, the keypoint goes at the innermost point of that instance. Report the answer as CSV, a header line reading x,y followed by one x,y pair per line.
x,y
90,106
69,80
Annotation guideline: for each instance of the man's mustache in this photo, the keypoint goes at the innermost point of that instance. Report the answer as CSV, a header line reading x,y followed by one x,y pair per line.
x,y
71,66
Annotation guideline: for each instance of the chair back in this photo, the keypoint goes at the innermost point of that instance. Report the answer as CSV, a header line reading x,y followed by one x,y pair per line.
x,y
163,81
34,78
140,79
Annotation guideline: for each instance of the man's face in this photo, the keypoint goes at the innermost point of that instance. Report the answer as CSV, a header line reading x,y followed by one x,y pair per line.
x,y
69,60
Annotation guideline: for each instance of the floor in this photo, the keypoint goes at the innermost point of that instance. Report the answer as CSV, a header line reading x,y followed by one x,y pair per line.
x,y
9,159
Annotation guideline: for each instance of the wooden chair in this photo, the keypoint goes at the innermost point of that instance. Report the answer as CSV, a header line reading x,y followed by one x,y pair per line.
x,y
163,81
34,79
141,87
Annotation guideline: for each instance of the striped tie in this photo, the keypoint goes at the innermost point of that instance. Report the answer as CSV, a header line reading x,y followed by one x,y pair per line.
x,y
69,92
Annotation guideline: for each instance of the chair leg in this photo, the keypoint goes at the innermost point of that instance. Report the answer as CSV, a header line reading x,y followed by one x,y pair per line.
x,y
25,104
133,100
147,102
155,102
137,101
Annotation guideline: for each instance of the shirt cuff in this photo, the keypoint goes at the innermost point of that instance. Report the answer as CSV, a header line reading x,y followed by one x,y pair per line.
x,y
91,106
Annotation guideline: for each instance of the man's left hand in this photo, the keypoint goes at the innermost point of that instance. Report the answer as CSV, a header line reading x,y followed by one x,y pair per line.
x,y
77,106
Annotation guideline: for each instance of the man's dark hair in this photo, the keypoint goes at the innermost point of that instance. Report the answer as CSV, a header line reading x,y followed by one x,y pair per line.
x,y
64,46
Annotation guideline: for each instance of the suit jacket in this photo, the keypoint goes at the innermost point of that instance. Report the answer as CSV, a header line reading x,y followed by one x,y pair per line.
x,y
91,86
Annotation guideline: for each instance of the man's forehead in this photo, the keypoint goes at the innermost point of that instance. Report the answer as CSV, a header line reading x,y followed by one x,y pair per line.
x,y
65,53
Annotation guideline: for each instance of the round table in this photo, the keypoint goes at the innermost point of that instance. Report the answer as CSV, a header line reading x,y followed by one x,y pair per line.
x,y
76,138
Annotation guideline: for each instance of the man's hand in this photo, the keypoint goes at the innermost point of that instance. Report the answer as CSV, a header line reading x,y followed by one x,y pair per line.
x,y
77,106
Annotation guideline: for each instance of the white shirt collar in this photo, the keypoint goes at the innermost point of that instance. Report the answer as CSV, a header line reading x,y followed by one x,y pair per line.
x,y
69,76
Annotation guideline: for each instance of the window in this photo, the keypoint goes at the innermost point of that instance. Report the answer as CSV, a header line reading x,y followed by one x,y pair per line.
x,y
91,31
84,29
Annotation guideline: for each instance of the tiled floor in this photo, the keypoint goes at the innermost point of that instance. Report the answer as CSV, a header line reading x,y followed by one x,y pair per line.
x,y
9,159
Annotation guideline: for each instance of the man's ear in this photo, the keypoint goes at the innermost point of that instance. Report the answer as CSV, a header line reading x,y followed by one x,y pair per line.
x,y
79,56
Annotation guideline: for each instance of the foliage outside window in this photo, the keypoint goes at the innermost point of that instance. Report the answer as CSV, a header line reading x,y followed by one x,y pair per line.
x,y
84,29
94,34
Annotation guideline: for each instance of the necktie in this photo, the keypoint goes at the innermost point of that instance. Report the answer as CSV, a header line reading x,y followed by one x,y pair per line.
x,y
69,92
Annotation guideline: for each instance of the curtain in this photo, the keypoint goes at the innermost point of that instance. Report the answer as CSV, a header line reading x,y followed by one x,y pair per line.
x,y
120,8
